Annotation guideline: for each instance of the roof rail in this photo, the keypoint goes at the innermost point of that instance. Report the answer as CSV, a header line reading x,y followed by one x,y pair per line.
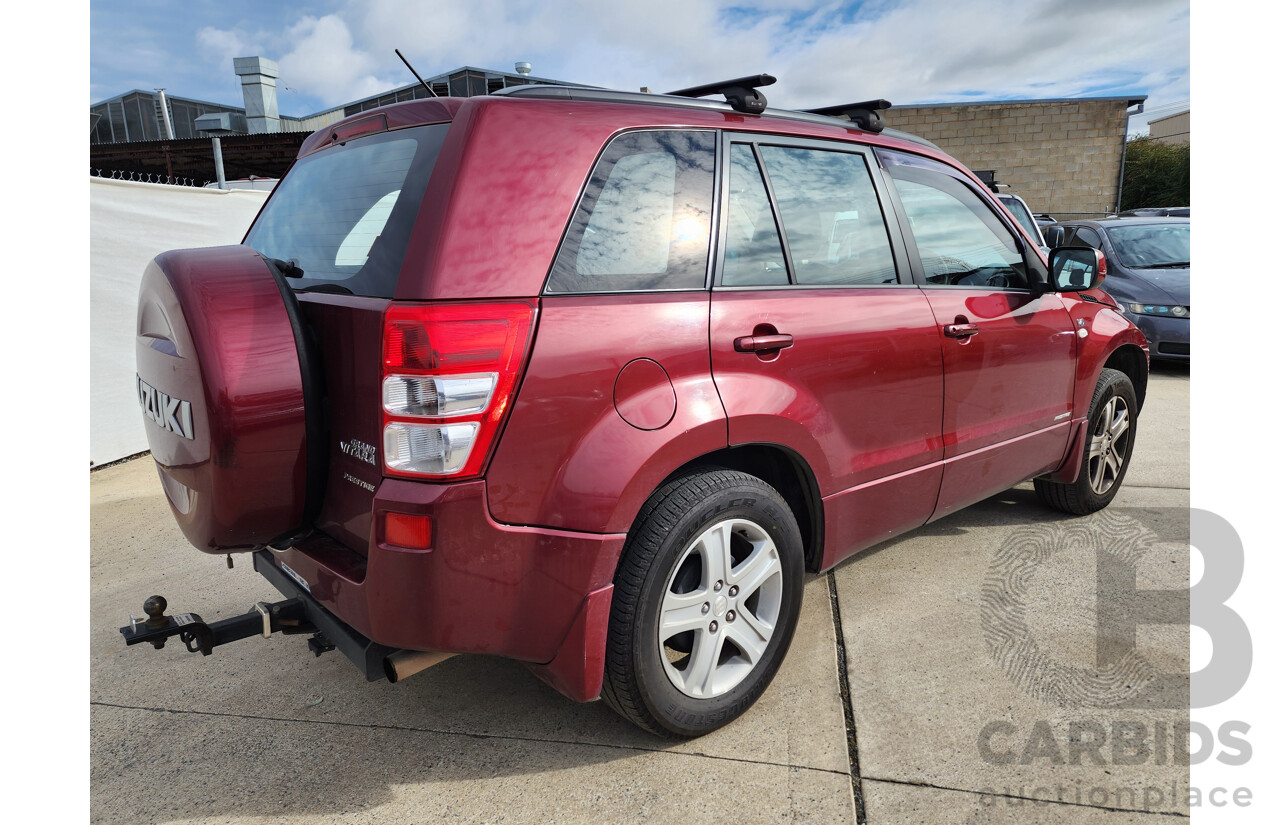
x,y
742,93
865,114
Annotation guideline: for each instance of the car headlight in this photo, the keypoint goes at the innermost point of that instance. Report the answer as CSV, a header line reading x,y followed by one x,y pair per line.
x,y
1159,310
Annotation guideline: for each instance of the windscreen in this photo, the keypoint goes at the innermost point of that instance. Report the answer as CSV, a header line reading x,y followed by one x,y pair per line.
x,y
1152,246
344,215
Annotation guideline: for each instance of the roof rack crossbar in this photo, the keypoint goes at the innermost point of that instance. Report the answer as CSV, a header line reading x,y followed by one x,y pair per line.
x,y
548,92
741,93
866,114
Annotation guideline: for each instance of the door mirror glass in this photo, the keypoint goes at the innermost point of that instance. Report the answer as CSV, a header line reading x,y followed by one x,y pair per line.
x,y
1076,268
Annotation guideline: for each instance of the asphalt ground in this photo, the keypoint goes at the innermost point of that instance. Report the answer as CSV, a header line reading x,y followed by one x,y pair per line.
x,y
977,670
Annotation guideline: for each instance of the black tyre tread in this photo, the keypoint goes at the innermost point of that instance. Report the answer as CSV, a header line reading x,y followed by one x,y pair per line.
x,y
656,519
1070,497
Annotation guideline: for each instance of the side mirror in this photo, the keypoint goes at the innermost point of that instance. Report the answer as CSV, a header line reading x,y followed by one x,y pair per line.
x,y
1053,235
1076,268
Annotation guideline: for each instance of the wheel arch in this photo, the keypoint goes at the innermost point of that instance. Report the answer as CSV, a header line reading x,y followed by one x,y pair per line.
x,y
783,469
1132,361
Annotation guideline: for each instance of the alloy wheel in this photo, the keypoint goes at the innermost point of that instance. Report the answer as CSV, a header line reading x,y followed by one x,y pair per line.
x,y
1108,445
719,609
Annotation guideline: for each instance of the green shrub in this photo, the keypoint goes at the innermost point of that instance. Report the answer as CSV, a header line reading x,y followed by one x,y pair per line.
x,y
1156,174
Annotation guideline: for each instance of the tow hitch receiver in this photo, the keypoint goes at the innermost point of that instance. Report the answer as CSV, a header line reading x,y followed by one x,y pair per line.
x,y
288,616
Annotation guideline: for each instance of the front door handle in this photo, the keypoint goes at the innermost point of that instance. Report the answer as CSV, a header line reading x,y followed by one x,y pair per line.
x,y
960,330
763,343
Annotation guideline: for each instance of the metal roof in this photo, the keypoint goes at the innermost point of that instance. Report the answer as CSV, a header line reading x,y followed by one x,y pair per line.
x,y
1130,100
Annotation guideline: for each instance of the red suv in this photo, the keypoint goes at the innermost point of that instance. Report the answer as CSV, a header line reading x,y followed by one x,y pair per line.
x,y
589,379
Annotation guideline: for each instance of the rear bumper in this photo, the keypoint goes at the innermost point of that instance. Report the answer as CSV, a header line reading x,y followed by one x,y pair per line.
x,y
1170,338
537,595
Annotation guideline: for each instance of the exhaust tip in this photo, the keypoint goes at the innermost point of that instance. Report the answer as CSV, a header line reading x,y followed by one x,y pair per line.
x,y
406,663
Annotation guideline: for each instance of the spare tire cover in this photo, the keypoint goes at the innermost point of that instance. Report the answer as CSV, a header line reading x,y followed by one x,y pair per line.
x,y
221,389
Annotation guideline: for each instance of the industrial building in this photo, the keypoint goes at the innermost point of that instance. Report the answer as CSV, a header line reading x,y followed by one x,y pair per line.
x,y
1172,129
138,115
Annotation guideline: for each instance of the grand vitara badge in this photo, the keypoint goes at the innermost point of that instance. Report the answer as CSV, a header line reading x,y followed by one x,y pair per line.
x,y
358,449
169,413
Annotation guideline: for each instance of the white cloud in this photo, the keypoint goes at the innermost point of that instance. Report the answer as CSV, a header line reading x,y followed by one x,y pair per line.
x,y
326,63
822,52
221,47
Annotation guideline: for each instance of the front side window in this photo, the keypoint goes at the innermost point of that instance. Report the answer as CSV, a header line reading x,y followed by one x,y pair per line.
x,y
960,240
344,214
644,222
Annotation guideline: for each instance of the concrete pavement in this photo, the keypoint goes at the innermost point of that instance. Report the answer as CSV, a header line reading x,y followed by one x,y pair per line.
x,y
952,719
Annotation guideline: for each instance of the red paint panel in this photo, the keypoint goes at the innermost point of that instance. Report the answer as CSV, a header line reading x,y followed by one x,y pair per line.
x,y
567,458
483,588
874,512
1108,331
214,333
643,395
1014,376
858,394
982,473
577,671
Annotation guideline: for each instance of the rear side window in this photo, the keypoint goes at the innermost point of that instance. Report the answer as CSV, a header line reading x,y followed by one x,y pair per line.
x,y
644,222
753,248
831,216
344,214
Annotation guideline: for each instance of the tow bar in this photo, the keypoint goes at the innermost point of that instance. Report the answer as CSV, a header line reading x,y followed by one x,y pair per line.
x,y
288,616
298,613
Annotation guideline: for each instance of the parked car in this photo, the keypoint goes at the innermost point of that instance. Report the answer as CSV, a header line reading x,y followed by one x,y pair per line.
x,y
1157,212
1022,214
1148,273
1043,220
541,375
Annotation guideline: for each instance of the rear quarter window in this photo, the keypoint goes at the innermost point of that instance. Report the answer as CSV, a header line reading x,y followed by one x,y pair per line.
x,y
344,214
644,222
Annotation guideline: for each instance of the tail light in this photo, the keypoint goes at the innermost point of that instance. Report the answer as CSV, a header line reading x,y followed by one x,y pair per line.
x,y
449,372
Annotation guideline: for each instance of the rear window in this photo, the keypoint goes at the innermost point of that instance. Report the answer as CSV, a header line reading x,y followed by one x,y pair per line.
x,y
344,214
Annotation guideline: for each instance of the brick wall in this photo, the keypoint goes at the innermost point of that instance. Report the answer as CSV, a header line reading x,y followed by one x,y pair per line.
x,y
1063,158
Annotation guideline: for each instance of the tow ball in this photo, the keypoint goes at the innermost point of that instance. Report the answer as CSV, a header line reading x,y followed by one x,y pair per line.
x,y
288,616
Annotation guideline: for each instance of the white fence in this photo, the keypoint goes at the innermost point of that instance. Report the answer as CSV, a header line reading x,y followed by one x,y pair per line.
x,y
129,224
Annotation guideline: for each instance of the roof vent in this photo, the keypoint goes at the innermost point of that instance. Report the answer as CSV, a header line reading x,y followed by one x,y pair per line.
x,y
524,68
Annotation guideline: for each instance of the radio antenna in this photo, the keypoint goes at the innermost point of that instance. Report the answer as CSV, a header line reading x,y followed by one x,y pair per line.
x,y
415,74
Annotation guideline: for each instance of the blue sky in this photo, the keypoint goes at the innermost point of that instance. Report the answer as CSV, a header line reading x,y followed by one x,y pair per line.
x,y
909,51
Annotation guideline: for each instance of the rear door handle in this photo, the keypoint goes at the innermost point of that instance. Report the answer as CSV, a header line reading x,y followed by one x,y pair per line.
x,y
763,343
960,330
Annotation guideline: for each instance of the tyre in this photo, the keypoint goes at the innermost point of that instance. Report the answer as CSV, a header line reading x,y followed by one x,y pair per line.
x,y
1113,419
705,603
